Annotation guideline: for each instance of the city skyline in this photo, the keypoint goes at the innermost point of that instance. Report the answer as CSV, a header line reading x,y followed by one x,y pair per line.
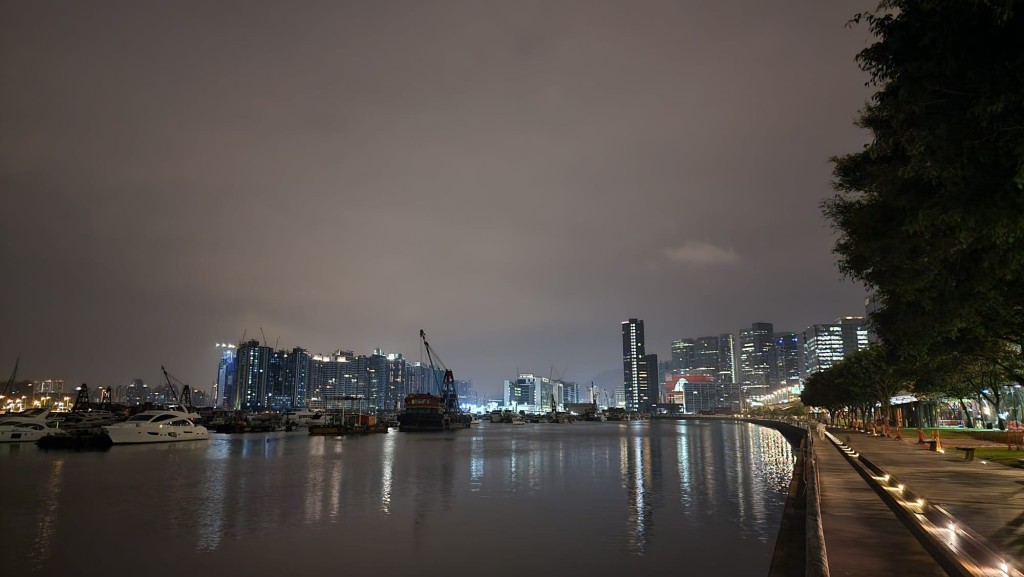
x,y
512,179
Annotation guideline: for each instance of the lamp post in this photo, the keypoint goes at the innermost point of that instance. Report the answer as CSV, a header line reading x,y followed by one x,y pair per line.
x,y
1016,402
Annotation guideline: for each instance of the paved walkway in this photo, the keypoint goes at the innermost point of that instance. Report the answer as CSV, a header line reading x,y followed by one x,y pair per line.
x,y
862,534
987,497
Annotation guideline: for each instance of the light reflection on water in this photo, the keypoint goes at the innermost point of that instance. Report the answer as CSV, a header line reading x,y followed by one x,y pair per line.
x,y
578,498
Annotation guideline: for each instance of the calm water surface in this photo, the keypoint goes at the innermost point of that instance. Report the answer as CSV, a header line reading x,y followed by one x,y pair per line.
x,y
701,497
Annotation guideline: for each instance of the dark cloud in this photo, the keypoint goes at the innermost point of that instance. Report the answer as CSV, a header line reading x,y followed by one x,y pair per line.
x,y
514,177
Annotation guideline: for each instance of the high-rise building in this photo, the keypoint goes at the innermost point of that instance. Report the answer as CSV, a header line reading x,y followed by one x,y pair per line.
x,y
789,353
727,373
395,388
297,376
636,385
827,344
571,393
253,362
278,398
533,394
683,354
705,357
757,361
653,393
226,373
521,394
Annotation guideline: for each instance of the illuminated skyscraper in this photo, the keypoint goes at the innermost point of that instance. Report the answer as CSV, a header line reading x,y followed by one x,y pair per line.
x,y
251,383
683,354
789,355
757,366
226,374
826,345
297,376
636,384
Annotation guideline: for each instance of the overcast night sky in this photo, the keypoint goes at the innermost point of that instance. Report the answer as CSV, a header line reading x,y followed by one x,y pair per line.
x,y
516,178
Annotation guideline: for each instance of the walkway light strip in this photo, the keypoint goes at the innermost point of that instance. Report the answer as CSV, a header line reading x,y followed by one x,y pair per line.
x,y
966,559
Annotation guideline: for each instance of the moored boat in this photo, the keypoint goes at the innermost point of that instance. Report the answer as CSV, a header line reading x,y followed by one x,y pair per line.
x,y
157,426
28,426
425,412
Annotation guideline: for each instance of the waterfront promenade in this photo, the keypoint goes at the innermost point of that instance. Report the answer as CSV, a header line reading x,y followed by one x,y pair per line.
x,y
865,535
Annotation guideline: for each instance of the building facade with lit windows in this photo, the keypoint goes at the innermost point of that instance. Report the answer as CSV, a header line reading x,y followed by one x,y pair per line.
x,y
635,376
683,354
789,358
756,362
296,376
226,374
253,362
827,344
533,394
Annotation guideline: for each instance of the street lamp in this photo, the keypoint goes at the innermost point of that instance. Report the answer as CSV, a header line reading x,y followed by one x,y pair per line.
x,y
1016,401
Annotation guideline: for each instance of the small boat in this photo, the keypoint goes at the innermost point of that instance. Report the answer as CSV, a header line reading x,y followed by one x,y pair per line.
x,y
27,426
157,426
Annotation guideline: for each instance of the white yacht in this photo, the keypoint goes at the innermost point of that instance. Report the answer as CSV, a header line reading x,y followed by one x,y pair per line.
x,y
302,418
27,426
157,426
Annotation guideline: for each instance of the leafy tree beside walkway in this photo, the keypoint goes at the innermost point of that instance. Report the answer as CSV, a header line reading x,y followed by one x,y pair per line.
x,y
930,214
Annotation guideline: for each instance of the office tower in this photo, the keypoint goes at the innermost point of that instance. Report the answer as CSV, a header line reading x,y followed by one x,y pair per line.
x,y
652,394
855,334
789,359
726,359
571,393
827,344
251,381
551,392
705,357
634,366
521,394
226,373
683,354
757,368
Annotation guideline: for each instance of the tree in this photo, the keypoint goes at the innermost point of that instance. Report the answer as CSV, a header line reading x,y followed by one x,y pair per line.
x,y
931,213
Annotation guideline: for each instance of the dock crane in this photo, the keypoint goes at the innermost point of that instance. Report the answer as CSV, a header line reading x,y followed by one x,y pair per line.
x,y
449,395
185,398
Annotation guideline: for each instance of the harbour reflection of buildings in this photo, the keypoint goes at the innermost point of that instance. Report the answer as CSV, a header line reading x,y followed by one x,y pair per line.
x,y
641,468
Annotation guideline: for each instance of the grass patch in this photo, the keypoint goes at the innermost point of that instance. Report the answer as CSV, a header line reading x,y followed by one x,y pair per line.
x,y
1001,455
944,433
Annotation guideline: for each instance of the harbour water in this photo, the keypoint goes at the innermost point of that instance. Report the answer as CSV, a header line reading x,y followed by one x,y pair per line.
x,y
697,497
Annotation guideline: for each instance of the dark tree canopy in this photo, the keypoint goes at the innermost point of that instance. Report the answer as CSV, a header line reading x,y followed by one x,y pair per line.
x,y
931,213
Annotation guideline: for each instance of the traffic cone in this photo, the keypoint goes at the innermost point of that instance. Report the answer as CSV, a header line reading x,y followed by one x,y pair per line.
x,y
920,436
